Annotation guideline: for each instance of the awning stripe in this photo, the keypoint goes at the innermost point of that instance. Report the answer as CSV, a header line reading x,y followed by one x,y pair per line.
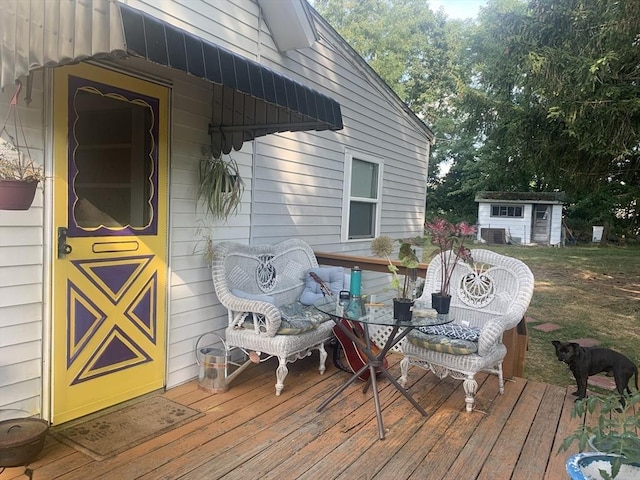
x,y
249,99
165,44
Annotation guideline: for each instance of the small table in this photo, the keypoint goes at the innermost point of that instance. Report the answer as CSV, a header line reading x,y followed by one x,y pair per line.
x,y
371,313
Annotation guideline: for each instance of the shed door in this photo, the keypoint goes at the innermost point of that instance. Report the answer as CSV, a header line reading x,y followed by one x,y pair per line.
x,y
541,222
110,148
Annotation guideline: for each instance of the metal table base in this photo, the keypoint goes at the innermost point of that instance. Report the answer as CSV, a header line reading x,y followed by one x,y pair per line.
x,y
375,365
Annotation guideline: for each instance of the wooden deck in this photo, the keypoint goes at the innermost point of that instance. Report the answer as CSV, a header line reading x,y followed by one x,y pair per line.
x,y
249,433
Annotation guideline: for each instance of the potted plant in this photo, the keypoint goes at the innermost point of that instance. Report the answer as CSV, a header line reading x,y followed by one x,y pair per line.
x,y
221,187
612,435
19,177
403,301
449,239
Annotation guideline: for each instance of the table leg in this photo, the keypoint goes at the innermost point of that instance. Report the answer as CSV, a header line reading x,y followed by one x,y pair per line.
x,y
375,364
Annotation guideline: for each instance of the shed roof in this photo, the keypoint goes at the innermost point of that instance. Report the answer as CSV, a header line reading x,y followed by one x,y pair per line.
x,y
530,197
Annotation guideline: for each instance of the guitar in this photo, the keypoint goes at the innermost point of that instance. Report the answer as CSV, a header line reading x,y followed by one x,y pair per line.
x,y
354,351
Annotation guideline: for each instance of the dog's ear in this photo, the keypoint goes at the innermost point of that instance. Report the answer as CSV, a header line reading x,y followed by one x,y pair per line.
x,y
556,344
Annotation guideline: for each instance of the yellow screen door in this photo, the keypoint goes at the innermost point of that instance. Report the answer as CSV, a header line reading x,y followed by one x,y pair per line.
x,y
110,258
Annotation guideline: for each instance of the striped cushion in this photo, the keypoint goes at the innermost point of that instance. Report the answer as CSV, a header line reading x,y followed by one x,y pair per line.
x,y
442,343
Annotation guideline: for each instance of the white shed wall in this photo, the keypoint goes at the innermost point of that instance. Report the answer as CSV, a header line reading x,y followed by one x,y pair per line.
x,y
515,227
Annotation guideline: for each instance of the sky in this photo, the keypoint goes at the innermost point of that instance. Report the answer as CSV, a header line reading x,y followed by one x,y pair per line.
x,y
458,9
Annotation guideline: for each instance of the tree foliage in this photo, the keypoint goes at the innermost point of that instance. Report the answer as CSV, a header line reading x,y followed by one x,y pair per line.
x,y
541,95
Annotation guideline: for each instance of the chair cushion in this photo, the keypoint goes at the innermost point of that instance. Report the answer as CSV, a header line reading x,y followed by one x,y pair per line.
x,y
297,318
334,277
454,331
442,343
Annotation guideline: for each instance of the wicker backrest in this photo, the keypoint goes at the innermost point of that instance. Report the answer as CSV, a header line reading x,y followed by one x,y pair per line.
x,y
495,286
275,270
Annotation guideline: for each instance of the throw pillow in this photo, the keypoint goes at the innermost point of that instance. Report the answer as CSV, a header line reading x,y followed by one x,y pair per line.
x,y
454,331
332,276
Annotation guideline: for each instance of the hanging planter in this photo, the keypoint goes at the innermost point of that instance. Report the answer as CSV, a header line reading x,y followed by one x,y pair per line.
x,y
19,174
221,187
17,194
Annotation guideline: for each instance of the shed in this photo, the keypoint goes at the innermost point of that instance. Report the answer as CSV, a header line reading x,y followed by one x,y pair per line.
x,y
520,217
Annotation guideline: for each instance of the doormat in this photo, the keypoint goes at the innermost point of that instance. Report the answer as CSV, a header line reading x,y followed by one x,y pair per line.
x,y
104,436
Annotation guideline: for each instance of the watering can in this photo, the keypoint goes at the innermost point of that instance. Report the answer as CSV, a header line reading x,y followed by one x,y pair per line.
x,y
214,363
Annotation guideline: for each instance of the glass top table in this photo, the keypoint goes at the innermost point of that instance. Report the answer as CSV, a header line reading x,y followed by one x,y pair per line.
x,y
353,319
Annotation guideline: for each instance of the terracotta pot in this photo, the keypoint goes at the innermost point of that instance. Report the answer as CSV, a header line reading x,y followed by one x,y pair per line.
x,y
17,194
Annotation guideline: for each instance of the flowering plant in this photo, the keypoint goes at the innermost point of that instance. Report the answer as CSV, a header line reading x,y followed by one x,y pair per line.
x,y
383,247
449,238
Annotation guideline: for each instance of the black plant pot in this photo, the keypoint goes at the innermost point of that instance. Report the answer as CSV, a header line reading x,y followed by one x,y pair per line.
x,y
402,309
440,303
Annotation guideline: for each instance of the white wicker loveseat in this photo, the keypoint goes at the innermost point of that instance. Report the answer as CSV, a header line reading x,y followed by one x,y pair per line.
x,y
261,286
486,300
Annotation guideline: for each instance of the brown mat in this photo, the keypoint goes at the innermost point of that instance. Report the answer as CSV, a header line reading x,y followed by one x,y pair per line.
x,y
106,435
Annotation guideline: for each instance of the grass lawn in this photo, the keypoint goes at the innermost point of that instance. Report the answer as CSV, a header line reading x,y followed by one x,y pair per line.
x,y
591,292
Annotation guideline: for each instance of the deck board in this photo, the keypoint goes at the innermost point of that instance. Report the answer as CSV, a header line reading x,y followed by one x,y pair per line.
x,y
249,432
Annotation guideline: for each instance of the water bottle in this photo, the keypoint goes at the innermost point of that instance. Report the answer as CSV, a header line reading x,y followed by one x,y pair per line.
x,y
356,281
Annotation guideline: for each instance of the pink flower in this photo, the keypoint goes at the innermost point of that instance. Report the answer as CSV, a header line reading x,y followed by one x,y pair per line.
x,y
449,238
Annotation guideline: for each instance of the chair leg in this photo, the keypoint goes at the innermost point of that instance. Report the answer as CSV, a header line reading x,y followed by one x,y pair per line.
x,y
281,373
404,372
323,358
470,389
500,378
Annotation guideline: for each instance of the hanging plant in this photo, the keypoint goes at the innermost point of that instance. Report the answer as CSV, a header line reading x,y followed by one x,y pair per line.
x,y
221,186
19,173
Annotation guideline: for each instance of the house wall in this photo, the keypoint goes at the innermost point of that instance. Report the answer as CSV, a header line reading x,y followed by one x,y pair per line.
x,y
293,186
21,271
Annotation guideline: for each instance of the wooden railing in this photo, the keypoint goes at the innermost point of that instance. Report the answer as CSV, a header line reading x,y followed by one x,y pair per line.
x,y
365,263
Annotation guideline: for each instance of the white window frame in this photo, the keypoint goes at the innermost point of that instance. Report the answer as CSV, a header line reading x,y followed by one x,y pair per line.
x,y
500,206
349,156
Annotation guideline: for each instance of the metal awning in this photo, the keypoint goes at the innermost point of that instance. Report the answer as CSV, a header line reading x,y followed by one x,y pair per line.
x,y
249,99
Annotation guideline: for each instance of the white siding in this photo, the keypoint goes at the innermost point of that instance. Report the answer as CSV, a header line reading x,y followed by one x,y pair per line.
x,y
515,227
556,225
293,185
21,273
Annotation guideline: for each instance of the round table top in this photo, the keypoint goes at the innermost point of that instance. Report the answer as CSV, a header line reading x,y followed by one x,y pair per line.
x,y
367,310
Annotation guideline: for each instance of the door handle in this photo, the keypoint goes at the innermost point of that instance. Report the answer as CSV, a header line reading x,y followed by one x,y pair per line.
x,y
64,248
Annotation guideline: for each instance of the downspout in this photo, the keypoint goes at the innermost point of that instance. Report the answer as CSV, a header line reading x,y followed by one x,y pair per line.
x,y
254,152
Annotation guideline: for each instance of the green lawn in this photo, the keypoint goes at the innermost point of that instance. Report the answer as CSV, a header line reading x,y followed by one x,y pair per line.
x,y
590,291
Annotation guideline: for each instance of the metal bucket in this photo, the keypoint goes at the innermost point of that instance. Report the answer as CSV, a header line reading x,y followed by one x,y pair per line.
x,y
213,363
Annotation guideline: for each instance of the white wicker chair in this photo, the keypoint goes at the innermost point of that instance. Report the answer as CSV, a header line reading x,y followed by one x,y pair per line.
x,y
279,272
494,296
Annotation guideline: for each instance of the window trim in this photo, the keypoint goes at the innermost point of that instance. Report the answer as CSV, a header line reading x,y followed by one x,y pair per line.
x,y
507,206
349,156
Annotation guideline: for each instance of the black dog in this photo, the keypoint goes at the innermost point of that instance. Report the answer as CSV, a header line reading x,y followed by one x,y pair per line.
x,y
584,362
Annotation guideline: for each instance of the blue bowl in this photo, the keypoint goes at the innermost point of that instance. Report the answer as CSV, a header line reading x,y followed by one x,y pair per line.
x,y
578,462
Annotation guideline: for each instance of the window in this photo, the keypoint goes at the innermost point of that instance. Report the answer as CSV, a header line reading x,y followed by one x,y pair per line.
x,y
362,196
506,210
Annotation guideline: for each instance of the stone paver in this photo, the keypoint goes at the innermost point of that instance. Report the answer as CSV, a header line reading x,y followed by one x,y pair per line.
x,y
547,327
586,342
608,383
